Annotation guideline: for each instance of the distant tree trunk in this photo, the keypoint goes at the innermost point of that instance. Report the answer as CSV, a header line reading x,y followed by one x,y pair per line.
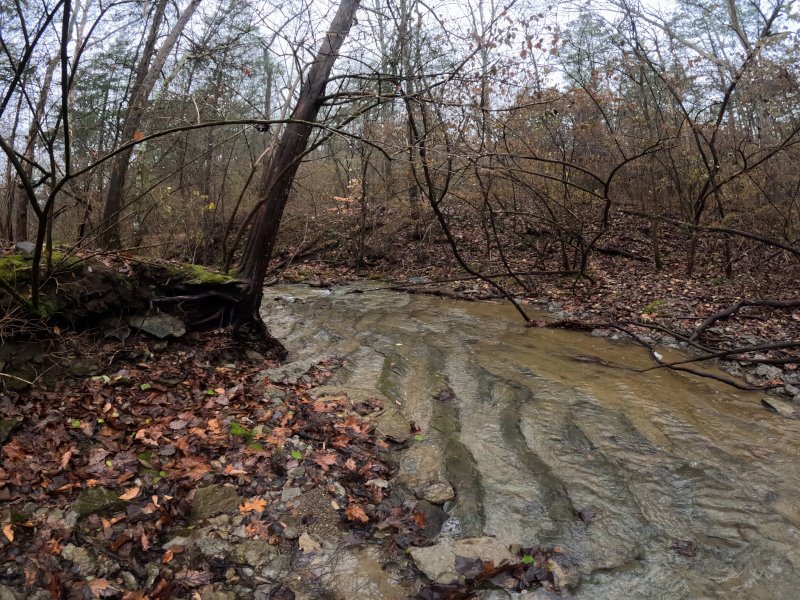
x,y
282,169
22,200
146,76
238,304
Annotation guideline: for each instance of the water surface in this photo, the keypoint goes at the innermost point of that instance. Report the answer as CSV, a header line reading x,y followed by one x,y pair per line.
x,y
658,484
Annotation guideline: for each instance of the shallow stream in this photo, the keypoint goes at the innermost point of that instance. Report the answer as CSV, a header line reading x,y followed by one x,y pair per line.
x,y
658,484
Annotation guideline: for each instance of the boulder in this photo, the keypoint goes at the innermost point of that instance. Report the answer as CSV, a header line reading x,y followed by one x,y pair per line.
x,y
160,326
438,561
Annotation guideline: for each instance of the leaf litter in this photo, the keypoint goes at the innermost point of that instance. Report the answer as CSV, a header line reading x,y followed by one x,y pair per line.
x,y
100,480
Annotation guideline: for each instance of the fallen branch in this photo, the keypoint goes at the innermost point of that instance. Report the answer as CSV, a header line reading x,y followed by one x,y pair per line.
x,y
731,310
676,366
734,352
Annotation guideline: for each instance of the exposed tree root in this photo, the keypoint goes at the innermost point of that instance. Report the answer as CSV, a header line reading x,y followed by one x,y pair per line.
x,y
218,305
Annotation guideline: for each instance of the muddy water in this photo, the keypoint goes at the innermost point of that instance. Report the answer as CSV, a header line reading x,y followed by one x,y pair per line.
x,y
658,484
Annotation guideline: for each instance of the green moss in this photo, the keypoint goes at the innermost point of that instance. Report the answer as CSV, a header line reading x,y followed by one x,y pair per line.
x,y
15,269
64,262
47,306
195,274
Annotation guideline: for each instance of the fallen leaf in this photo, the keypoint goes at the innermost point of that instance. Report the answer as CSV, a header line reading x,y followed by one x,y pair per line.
x,y
231,470
101,587
255,505
308,544
131,493
325,459
8,531
66,456
355,513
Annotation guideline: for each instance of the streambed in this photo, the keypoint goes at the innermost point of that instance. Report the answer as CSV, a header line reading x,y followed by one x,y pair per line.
x,y
658,484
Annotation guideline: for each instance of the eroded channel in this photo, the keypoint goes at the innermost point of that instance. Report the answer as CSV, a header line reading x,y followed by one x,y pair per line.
x,y
658,484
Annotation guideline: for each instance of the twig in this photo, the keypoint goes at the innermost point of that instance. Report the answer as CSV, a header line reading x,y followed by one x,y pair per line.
x,y
17,378
727,353
724,314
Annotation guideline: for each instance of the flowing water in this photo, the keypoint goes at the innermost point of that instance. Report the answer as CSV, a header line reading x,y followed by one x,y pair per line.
x,y
657,484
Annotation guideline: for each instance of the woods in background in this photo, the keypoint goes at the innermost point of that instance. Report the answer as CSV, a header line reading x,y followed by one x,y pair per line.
x,y
512,129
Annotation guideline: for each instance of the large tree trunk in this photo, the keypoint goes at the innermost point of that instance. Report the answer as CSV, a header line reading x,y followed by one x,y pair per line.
x,y
238,304
146,76
283,167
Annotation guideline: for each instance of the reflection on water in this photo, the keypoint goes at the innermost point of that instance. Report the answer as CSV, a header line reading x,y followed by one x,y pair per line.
x,y
660,485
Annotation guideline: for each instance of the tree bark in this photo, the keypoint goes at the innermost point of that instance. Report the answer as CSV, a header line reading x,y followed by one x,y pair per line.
x,y
146,76
282,169
21,200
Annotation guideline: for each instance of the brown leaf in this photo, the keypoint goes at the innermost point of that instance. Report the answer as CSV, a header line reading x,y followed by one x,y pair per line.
x,y
191,578
138,135
325,459
308,544
8,531
355,513
255,505
168,556
101,587
131,493
232,470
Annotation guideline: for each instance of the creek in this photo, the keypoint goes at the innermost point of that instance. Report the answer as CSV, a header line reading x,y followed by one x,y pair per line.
x,y
657,484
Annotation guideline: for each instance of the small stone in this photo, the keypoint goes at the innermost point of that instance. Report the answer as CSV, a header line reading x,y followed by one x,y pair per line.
x,y
393,425
451,528
296,472
213,547
177,541
769,372
290,533
96,500
219,595
438,492
83,561
240,532
564,572
153,570
128,580
26,249
290,372
213,500
290,493
791,390
263,592
6,593
782,407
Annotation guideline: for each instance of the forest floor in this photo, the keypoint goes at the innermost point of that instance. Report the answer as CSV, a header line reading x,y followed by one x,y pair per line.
x,y
200,468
